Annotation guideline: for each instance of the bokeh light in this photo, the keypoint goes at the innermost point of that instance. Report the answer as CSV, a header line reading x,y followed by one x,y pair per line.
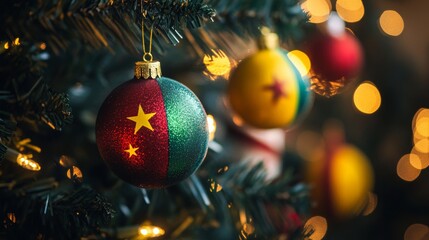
x,y
415,161
212,126
391,23
367,98
319,225
422,126
350,12
419,124
422,146
424,159
371,204
405,170
217,64
319,10
301,61
350,5
237,120
416,232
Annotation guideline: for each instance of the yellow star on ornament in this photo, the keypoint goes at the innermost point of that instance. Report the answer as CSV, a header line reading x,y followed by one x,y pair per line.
x,y
131,151
142,119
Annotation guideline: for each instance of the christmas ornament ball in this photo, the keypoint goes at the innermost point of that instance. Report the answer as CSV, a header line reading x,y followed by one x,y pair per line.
x,y
267,91
152,132
341,180
335,61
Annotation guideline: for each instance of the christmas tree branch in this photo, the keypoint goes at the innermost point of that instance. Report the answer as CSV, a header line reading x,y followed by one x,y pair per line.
x,y
97,24
100,23
47,209
240,20
28,96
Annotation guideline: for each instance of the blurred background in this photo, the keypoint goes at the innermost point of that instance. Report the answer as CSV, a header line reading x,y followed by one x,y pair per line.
x,y
357,146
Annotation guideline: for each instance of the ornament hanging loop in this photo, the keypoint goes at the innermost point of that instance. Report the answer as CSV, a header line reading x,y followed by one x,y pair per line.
x,y
148,68
147,55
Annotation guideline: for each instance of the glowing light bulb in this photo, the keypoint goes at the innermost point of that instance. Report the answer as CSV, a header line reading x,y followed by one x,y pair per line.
x,y
74,173
16,42
29,164
150,231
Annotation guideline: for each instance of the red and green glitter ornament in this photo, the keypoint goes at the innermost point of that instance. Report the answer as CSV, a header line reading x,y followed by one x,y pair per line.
x,y
152,131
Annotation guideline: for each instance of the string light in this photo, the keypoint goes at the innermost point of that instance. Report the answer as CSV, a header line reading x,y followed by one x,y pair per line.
x,y
6,45
212,126
150,231
29,164
23,160
74,173
16,42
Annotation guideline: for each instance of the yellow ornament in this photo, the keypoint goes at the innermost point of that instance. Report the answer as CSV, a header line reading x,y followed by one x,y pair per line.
x,y
266,90
340,180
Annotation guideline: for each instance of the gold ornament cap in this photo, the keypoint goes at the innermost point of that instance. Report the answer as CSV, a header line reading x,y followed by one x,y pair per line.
x,y
147,70
268,39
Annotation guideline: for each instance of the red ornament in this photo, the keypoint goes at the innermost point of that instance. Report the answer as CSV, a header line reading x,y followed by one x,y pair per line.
x,y
335,60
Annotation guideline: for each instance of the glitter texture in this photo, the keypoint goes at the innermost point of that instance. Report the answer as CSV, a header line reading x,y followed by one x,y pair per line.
x,y
188,129
170,152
